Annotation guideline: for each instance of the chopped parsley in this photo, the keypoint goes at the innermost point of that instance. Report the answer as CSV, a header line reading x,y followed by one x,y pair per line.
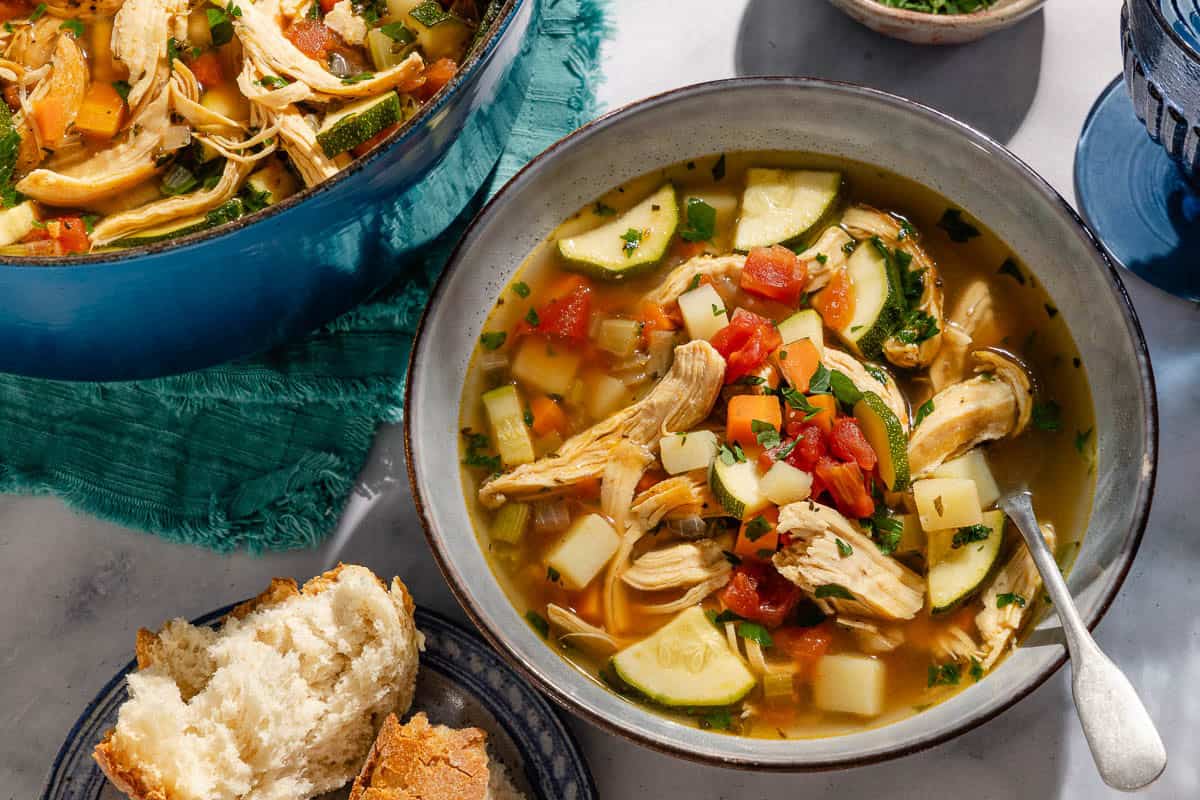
x,y
1047,416
74,26
849,247
1081,439
718,169
717,310
819,382
751,380
398,32
766,433
969,534
122,89
723,617
886,528
952,222
757,528
603,209
271,81
528,417
538,622
755,633
844,550
552,575
878,373
729,457
944,675
350,80
1010,599
220,24
732,558
37,13
923,411
701,221
89,223
521,289
843,388
1010,268
822,258
695,282
976,669
532,318
477,443
632,238
799,402
916,326
719,720
833,590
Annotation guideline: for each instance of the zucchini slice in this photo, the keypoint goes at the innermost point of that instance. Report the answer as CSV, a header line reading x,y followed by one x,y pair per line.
x,y
506,416
956,573
227,212
784,205
628,245
355,123
737,487
886,436
274,182
685,663
804,324
878,302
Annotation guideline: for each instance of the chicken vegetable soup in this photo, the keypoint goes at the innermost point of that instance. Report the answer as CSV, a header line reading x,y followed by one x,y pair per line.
x,y
736,432
131,122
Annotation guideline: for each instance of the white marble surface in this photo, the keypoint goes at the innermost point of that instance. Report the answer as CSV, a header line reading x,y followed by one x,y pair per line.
x,y
73,590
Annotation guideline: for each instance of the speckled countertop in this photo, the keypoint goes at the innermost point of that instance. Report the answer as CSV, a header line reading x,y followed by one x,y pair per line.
x,y
73,590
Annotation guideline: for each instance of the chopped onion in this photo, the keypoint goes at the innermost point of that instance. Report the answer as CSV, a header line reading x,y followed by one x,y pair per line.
x,y
662,352
551,516
493,361
175,137
693,527
339,66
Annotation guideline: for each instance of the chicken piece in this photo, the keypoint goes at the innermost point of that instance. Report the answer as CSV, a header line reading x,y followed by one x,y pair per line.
x,y
865,222
681,399
109,172
32,46
620,479
141,30
973,312
179,207
954,644
1020,578
870,636
342,20
865,381
994,404
675,498
579,633
831,244
263,40
677,566
250,84
300,143
682,278
880,587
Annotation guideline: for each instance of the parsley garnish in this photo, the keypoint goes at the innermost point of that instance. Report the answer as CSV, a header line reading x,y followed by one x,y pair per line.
x,y
532,318
844,550
944,675
849,247
552,575
819,382
799,402
976,669
822,258
757,528
751,380
957,228
701,221
603,210
732,558
923,411
529,417
75,26
717,720
971,533
833,590
538,622
916,327
1010,268
755,633
1081,439
1047,416
521,289
939,6
878,373
220,24
477,442
695,282
887,530
89,223
1010,599
37,13
843,388
359,78
766,433
398,32
492,340
729,457
122,89
717,310
632,238
271,81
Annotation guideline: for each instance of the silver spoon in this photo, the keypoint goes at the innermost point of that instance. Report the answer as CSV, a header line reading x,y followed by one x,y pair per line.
x,y
1125,744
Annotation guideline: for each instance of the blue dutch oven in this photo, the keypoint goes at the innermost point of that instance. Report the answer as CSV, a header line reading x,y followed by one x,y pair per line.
x,y
242,288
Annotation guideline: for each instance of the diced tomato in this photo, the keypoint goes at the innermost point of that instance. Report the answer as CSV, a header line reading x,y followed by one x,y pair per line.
x,y
14,9
313,38
369,144
327,5
810,448
847,487
565,317
775,273
759,593
68,234
745,342
804,645
436,75
848,443
207,69
835,303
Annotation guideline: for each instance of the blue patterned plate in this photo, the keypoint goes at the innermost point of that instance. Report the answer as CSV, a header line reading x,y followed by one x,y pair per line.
x,y
461,682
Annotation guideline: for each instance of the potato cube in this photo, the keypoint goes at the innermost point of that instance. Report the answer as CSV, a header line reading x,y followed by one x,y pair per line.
x,y
947,503
852,684
684,452
973,465
703,311
545,366
583,551
785,484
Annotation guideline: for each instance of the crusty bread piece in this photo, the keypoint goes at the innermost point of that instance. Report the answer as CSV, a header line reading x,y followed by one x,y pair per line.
x,y
281,702
419,761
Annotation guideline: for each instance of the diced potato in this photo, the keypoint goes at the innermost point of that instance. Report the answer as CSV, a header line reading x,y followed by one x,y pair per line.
x,y
912,538
506,416
544,366
973,465
618,336
583,551
947,503
785,484
703,311
852,684
604,395
805,324
17,222
684,452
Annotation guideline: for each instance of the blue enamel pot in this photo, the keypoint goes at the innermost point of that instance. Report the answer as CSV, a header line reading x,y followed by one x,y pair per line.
x,y
245,287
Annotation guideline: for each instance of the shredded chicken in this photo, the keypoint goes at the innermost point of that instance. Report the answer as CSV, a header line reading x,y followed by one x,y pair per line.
x,y
675,498
973,311
32,46
684,397
864,381
677,566
865,222
831,244
870,636
1019,577
581,634
141,29
954,644
343,21
878,586
682,277
620,478
300,142
994,404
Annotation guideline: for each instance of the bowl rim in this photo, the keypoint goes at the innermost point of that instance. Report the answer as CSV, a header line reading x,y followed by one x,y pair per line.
x,y
413,127
985,17
1125,556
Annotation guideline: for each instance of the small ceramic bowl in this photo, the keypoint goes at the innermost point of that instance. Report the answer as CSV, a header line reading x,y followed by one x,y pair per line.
x,y
970,170
921,28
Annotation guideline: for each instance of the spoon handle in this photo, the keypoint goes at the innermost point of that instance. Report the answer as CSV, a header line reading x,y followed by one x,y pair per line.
x,y
1128,751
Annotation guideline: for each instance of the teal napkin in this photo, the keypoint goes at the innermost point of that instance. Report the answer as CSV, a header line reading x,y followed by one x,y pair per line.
x,y
260,453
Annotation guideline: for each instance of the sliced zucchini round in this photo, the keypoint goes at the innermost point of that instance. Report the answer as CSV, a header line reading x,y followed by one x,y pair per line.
x,y
737,487
784,205
957,573
685,663
629,245
878,302
887,438
355,123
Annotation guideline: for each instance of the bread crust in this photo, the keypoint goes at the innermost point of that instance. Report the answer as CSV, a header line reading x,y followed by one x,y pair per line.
x,y
420,761
128,777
